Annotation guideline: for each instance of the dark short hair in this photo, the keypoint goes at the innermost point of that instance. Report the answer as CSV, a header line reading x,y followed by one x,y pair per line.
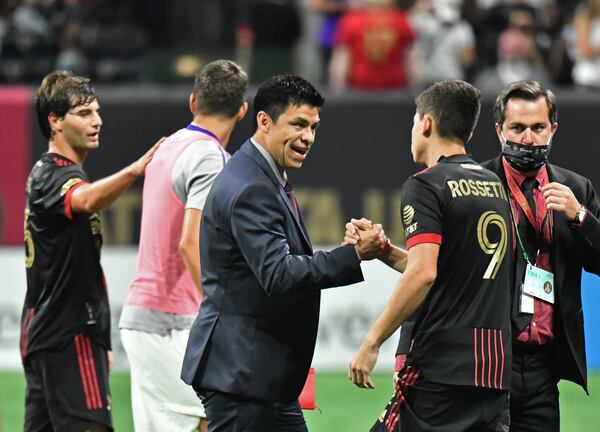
x,y
454,105
219,88
528,90
276,94
60,92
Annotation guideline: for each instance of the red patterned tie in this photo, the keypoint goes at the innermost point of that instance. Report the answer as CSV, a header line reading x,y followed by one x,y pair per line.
x,y
290,194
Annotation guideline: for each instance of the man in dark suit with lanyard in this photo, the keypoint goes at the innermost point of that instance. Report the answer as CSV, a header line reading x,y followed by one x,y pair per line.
x,y
250,347
556,232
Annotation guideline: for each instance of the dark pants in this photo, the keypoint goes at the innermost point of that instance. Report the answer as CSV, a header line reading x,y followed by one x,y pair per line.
x,y
231,413
534,392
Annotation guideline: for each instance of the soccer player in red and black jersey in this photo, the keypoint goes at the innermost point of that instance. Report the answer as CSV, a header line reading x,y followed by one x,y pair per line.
x,y
456,273
65,326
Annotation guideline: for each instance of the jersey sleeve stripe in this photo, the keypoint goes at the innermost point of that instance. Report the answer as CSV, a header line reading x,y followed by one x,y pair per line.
x,y
424,238
68,212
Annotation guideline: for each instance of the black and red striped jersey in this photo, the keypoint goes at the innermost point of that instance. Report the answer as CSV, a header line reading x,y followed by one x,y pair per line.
x,y
461,333
66,292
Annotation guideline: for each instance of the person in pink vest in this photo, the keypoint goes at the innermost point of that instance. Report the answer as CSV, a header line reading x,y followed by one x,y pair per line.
x,y
166,292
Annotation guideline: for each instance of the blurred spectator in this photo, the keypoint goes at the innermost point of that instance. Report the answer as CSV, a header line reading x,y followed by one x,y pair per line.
x,y
154,20
496,15
536,4
266,37
371,47
586,26
73,18
332,11
183,17
524,19
32,19
555,15
445,44
6,9
91,37
30,43
195,25
517,60
111,40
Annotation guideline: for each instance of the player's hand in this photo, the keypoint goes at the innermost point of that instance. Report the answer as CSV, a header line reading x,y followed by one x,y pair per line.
x,y
372,243
111,360
139,166
359,371
560,198
351,236
395,378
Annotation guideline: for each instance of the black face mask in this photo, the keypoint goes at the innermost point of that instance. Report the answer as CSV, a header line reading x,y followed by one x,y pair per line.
x,y
523,157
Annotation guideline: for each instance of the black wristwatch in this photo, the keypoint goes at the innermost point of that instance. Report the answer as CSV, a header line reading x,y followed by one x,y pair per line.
x,y
580,215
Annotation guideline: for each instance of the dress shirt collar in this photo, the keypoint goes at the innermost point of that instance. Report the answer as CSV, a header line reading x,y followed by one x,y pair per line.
x,y
281,175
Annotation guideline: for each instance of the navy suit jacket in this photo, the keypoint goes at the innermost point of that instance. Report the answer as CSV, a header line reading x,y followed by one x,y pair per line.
x,y
573,249
257,327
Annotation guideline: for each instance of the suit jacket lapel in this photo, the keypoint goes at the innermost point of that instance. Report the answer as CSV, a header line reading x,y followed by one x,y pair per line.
x,y
250,150
297,218
304,230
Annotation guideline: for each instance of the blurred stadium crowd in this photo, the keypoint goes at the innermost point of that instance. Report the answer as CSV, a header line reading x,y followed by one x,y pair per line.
x,y
358,44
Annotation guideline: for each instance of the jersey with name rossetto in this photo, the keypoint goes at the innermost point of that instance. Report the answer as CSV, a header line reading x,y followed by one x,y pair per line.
x,y
461,334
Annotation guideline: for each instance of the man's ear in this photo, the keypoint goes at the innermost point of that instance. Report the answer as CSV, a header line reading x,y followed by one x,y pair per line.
x,y
193,103
263,121
427,126
242,112
498,128
55,123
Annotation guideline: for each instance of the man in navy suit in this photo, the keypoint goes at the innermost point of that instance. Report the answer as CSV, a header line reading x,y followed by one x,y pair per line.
x,y
251,346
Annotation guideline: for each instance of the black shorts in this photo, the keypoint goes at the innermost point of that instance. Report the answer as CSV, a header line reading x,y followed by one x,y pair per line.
x,y
420,405
67,390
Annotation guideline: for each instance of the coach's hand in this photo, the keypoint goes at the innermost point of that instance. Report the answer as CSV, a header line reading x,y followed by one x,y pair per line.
x,y
359,371
351,236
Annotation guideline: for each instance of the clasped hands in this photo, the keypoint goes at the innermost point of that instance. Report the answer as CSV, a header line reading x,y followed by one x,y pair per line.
x,y
368,238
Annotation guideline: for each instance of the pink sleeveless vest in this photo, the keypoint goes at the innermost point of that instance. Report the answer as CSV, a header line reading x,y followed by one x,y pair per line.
x,y
161,281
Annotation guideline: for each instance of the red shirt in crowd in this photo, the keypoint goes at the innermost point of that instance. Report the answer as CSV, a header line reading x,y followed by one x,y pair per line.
x,y
378,40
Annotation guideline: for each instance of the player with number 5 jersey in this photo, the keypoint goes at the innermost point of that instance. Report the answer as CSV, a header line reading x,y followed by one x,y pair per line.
x,y
65,324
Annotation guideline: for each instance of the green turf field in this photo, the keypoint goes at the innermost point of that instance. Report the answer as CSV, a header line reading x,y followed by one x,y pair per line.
x,y
343,407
